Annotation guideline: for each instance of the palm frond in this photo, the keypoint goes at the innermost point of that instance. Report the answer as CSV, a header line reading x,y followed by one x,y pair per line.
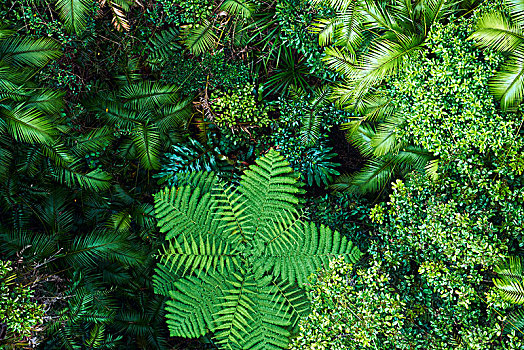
x,y
199,38
25,51
89,249
74,13
164,44
148,95
147,141
509,281
385,57
507,84
496,31
241,8
28,125
174,116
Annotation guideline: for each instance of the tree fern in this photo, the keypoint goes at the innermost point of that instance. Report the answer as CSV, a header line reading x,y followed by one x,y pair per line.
x,y
510,286
237,258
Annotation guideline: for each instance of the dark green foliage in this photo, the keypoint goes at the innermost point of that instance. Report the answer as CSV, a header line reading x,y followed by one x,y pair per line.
x,y
345,212
237,257
318,167
215,70
193,156
102,101
290,72
301,134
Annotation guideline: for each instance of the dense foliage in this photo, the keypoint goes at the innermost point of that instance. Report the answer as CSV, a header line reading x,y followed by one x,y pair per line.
x,y
186,174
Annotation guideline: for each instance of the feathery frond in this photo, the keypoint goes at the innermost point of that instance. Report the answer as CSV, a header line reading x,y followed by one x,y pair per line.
x,y
74,13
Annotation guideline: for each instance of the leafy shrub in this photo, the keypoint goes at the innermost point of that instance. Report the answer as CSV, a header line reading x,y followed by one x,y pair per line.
x,y
345,212
436,239
237,259
192,75
20,315
301,134
423,287
295,18
237,109
350,311
186,11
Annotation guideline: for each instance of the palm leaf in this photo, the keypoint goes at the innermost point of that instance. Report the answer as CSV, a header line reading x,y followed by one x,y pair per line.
x,y
24,51
241,8
507,84
200,38
147,141
496,31
28,125
385,57
147,95
164,44
74,13
510,282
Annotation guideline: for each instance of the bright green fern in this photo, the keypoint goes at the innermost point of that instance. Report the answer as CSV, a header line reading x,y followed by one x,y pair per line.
x,y
237,259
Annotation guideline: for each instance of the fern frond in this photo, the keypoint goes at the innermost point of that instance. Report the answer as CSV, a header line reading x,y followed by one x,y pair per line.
x,y
186,210
194,255
191,312
270,186
234,319
96,336
282,232
273,318
317,247
232,211
164,280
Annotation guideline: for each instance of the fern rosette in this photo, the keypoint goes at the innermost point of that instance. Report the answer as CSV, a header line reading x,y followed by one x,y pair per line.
x,y
237,259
